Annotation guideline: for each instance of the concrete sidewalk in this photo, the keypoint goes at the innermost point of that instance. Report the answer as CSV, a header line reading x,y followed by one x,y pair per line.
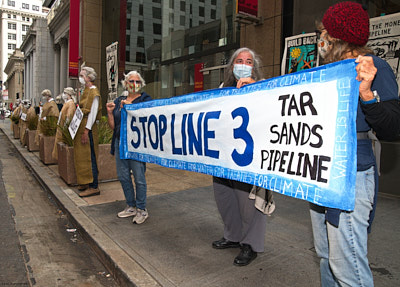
x,y
173,247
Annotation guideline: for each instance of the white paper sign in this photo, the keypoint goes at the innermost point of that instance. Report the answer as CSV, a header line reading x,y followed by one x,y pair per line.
x,y
75,123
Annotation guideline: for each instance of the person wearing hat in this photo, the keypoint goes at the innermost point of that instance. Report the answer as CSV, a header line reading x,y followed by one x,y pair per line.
x,y
49,109
341,237
66,114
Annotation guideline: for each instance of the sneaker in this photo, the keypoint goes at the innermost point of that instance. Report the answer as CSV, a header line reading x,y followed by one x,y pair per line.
x,y
128,211
141,216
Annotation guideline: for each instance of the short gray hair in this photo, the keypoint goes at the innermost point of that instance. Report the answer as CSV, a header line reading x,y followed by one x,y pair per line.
x,y
46,92
133,73
90,73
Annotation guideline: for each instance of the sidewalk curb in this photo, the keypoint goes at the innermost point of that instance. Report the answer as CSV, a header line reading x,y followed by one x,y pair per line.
x,y
125,269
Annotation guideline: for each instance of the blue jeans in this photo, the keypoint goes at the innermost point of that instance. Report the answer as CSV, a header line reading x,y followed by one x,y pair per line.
x,y
343,250
95,171
124,168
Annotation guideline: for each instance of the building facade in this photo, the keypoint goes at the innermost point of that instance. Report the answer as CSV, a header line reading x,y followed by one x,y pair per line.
x,y
38,61
168,40
15,77
16,18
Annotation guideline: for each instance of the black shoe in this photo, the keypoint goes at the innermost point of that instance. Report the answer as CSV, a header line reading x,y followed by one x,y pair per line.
x,y
224,243
245,256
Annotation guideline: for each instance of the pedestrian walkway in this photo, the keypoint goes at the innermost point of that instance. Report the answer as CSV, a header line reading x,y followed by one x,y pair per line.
x,y
173,247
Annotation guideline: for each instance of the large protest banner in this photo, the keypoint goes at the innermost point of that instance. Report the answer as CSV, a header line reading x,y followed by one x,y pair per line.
x,y
300,53
384,39
293,134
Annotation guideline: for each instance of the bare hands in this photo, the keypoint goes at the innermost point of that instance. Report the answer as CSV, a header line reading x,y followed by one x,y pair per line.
x,y
85,138
244,81
110,107
366,72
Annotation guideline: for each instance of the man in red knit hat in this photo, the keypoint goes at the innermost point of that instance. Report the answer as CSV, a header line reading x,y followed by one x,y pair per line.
x,y
341,237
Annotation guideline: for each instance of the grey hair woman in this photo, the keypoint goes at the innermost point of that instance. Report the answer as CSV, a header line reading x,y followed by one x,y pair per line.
x,y
253,60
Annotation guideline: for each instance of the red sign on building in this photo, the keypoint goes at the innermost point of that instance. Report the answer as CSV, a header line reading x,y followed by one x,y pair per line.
x,y
248,7
73,61
198,77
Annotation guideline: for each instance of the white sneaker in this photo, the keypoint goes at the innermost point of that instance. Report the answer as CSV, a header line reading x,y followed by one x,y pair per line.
x,y
128,211
141,216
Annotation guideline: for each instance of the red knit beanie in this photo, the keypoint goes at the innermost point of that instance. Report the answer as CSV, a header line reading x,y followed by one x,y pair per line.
x,y
347,21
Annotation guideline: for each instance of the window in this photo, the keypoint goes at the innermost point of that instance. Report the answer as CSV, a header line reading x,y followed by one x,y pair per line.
x,y
156,13
9,16
156,1
140,26
201,11
25,6
156,29
23,37
213,2
129,7
25,27
182,20
11,46
27,19
213,14
11,3
140,41
35,8
183,6
141,9
140,57
127,56
12,36
128,24
23,18
128,40
14,16
12,26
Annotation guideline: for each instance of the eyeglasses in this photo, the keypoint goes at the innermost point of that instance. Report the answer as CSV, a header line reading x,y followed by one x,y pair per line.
x,y
134,81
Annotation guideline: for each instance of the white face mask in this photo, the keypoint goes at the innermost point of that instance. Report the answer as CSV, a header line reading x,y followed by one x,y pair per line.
x,y
242,71
65,97
82,80
323,47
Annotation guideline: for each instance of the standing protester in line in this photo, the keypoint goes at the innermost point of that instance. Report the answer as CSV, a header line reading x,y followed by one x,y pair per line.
x,y
341,237
49,109
86,141
244,224
135,205
66,114
24,120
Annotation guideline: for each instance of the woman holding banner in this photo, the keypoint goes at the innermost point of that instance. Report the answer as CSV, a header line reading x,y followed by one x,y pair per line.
x,y
135,205
340,237
244,224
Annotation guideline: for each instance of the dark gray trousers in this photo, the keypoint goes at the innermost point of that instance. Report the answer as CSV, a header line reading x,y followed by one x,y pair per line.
x,y
243,222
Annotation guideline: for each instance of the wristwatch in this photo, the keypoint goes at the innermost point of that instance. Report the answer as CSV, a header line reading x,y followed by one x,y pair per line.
x,y
376,98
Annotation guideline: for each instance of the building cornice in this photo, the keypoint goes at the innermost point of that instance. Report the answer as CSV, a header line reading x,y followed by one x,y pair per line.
x,y
61,13
21,13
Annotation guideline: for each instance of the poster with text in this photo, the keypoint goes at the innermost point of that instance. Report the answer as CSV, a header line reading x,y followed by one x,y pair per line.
x,y
300,53
293,134
384,40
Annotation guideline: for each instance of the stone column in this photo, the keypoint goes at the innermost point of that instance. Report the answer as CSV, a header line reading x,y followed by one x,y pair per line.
x,y
31,66
27,75
63,63
57,69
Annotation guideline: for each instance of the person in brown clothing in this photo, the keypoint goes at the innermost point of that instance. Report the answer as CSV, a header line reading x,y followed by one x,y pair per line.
x,y
86,140
66,114
49,109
